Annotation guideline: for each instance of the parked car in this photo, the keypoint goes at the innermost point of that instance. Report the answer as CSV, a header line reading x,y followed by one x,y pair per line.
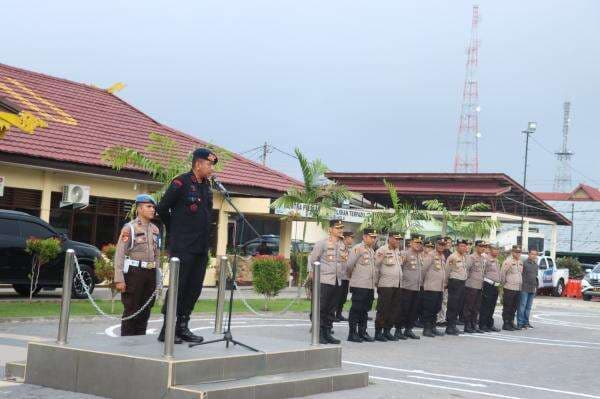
x,y
590,285
251,247
15,263
549,276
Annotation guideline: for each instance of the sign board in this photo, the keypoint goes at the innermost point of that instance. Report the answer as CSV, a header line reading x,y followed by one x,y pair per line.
x,y
1,186
347,215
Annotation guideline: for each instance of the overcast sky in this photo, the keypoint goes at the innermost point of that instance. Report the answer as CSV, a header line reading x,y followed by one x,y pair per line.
x,y
363,85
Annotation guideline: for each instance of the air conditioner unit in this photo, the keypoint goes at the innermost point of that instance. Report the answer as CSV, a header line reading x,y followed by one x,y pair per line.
x,y
76,195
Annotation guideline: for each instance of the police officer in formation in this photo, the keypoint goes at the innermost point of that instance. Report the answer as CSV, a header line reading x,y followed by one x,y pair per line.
x,y
348,241
410,291
457,269
511,277
332,255
473,286
436,280
389,263
137,257
363,279
489,294
185,209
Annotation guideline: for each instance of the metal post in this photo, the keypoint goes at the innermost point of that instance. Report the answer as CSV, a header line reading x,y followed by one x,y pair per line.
x,y
171,307
221,296
316,305
65,306
572,226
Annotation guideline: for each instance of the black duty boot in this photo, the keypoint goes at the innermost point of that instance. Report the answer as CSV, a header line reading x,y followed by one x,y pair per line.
x,y
485,329
428,331
388,335
437,332
323,336
398,334
161,336
340,317
419,324
330,338
508,326
183,331
408,333
493,329
476,328
452,330
469,328
362,332
379,335
352,334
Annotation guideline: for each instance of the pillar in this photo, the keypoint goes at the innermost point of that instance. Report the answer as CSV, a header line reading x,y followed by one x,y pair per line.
x,y
46,196
554,241
285,238
525,236
492,237
222,238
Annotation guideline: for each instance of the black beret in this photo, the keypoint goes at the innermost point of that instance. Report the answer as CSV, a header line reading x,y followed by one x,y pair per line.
x,y
204,153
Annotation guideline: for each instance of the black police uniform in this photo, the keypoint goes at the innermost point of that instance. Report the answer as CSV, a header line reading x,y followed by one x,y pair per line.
x,y
185,208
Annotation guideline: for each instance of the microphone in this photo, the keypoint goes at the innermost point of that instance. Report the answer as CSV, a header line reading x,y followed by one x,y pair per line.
x,y
218,184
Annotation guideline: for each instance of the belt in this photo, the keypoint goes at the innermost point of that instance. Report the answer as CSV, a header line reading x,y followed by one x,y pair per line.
x,y
140,263
492,282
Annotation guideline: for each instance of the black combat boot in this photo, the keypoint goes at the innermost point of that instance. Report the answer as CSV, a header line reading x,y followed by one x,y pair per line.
x,y
408,333
437,332
352,334
508,326
398,334
161,336
379,335
362,332
340,317
330,338
493,329
485,329
469,328
323,336
388,335
476,329
452,330
428,331
183,331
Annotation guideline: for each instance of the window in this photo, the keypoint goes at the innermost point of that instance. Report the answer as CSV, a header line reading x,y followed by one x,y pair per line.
x,y
29,229
9,227
550,263
542,263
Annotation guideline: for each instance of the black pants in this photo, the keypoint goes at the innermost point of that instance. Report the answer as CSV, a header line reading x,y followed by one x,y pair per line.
x,y
343,296
456,298
329,296
472,304
140,285
192,269
410,305
431,303
362,301
489,297
388,299
510,301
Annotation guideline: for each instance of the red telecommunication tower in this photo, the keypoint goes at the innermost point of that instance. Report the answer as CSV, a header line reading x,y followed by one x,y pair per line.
x,y
466,159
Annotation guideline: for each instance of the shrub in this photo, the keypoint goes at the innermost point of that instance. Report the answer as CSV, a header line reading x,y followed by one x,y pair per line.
x,y
572,264
104,268
270,276
42,251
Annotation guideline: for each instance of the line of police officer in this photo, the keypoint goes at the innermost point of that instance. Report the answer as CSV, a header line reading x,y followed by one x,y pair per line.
x,y
411,284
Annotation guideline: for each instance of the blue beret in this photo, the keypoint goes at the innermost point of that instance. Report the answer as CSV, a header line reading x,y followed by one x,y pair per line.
x,y
145,198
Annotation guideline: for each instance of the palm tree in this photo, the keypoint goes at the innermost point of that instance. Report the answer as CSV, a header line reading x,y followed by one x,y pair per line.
x,y
455,224
317,198
162,159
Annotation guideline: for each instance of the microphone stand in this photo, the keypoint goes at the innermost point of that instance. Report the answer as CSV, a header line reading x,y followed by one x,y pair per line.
x,y
241,218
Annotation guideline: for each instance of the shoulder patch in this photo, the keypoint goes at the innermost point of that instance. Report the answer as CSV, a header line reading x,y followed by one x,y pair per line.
x,y
125,234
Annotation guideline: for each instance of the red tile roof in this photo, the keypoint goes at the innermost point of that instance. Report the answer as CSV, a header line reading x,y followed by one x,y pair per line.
x,y
582,192
84,120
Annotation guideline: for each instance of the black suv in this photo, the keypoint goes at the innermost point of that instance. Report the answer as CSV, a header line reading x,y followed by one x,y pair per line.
x,y
15,263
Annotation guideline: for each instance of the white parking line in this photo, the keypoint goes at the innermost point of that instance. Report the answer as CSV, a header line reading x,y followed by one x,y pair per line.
x,y
494,395
547,339
448,381
375,366
520,341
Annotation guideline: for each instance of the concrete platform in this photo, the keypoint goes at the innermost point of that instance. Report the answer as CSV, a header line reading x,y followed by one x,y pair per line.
x,y
133,367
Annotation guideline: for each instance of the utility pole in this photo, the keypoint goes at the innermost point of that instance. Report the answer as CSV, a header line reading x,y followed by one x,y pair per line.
x,y
572,225
265,151
531,126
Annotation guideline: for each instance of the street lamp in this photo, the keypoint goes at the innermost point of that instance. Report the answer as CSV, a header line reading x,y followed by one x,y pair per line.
x,y
531,127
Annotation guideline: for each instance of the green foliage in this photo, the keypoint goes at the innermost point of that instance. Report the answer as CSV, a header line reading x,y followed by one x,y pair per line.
x,y
299,261
573,264
104,266
269,275
162,159
43,250
457,224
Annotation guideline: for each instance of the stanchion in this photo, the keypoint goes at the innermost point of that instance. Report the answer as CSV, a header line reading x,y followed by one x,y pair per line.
x,y
171,307
221,296
65,305
316,306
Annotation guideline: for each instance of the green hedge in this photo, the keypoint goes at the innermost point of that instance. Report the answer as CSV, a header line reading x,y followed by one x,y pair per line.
x,y
269,276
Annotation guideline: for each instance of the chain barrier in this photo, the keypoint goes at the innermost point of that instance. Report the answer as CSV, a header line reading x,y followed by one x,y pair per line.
x,y
266,315
86,288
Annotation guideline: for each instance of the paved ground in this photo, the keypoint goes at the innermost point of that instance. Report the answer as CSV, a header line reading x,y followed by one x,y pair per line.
x,y
555,360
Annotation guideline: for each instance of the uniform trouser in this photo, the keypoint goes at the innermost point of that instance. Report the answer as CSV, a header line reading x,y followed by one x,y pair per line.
x,y
489,297
329,296
362,301
387,303
343,296
410,304
140,285
431,305
192,268
441,316
456,294
472,304
510,303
